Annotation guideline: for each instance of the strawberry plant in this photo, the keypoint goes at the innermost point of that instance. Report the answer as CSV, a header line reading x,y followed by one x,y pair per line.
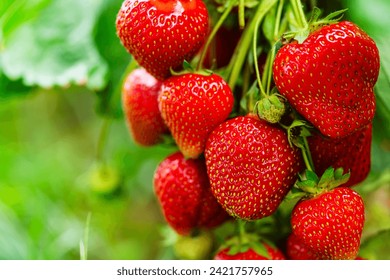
x,y
208,129
291,110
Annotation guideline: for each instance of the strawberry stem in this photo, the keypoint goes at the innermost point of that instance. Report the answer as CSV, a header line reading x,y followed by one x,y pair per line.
x,y
219,23
240,53
299,13
267,76
241,14
256,62
306,154
242,231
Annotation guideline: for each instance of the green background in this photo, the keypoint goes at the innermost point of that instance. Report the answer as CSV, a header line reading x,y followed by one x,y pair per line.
x,y
61,67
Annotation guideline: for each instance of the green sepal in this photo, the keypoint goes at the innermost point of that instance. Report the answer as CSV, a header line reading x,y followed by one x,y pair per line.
x,y
260,249
295,193
296,131
330,179
326,178
316,23
270,108
312,176
189,69
234,249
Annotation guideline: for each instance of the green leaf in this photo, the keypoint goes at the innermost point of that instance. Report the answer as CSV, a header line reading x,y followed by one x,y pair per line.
x,y
60,47
10,88
14,13
269,24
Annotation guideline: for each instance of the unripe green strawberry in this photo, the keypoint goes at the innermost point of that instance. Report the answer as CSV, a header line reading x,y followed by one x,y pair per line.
x,y
104,179
196,247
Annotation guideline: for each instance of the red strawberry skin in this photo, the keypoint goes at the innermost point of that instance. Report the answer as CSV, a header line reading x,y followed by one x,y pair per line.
x,y
251,166
183,191
250,254
330,224
329,78
139,99
352,153
161,34
296,250
192,105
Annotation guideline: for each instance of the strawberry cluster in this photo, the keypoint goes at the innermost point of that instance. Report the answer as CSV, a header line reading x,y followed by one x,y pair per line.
x,y
295,120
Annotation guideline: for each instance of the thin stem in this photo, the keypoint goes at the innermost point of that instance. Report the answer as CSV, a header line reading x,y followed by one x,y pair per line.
x,y
306,154
299,13
270,59
240,53
254,50
241,14
278,19
214,32
241,231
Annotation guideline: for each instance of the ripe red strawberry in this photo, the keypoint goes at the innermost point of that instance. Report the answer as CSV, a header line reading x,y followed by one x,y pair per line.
x,y
296,250
161,34
183,191
192,105
251,166
267,253
330,223
352,153
139,98
329,78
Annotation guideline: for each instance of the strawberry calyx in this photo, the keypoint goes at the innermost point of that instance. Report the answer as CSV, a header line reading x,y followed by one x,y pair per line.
x,y
189,69
243,243
270,108
303,27
313,185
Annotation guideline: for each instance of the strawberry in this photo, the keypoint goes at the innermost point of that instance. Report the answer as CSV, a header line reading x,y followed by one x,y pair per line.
x,y
161,34
296,250
251,166
183,191
235,249
197,247
329,78
330,223
352,153
139,99
192,105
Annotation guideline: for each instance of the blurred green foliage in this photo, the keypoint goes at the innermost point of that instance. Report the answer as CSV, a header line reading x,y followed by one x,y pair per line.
x,y
61,67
